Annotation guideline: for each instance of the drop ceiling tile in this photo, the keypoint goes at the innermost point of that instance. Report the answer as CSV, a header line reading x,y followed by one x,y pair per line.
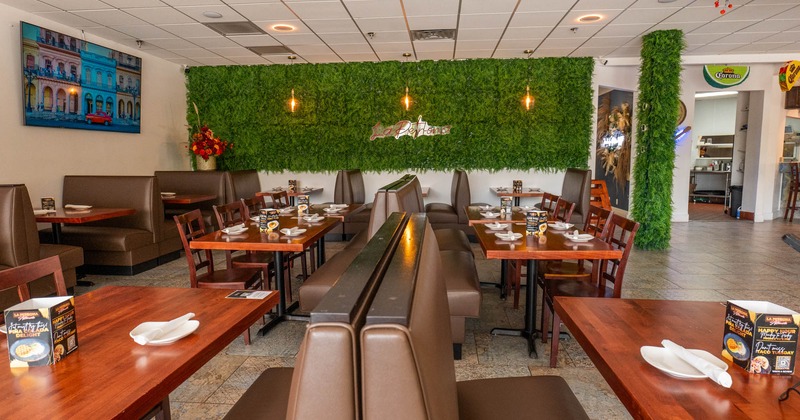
x,y
722,27
616,41
778,37
479,34
362,48
216,41
392,47
562,43
264,11
435,55
701,39
306,50
284,59
297,39
475,45
483,6
648,4
216,61
195,53
702,13
623,30
592,5
437,45
581,31
159,15
255,40
745,37
172,44
544,6
640,16
68,19
161,53
626,52
185,61
686,27
524,20
189,30
191,2
390,56
790,14
462,55
772,25
608,15
359,57
350,38
488,20
231,51
430,8
432,22
107,34
319,10
392,36
520,45
196,12
527,33
332,26
374,9
378,25
33,6
592,51
715,48
758,11
250,61
299,27
71,5
124,4
143,31
323,58
109,17
504,53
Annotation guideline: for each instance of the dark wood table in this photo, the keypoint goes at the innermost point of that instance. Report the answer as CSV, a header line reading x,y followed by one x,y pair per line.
x,y
93,214
509,192
187,198
253,240
552,246
475,217
109,375
612,331
293,194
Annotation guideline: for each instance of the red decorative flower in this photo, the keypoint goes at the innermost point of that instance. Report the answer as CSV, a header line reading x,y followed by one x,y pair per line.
x,y
204,143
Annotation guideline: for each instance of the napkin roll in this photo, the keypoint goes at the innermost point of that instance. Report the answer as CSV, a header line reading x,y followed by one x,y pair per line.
x,y
716,374
168,327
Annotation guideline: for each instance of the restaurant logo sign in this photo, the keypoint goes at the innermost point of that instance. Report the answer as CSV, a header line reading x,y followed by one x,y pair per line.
x,y
788,75
408,128
725,76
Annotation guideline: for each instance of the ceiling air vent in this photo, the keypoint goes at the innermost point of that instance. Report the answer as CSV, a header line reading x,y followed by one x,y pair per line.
x,y
271,50
235,28
433,34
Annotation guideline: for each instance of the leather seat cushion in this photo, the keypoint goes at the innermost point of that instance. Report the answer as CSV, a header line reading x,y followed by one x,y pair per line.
x,y
100,238
266,398
463,286
361,216
541,397
441,213
320,282
452,240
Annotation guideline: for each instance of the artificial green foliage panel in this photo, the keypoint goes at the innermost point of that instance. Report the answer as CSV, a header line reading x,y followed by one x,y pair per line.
x,y
339,104
657,113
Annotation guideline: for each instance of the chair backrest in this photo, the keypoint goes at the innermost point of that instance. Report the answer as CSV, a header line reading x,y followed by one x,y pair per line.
x,y
549,202
349,187
577,188
19,238
21,276
253,205
599,194
620,233
403,195
242,184
460,196
190,226
280,199
596,221
563,210
407,365
230,214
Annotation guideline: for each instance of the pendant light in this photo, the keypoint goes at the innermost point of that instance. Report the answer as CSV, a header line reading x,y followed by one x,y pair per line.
x,y
406,100
293,103
528,100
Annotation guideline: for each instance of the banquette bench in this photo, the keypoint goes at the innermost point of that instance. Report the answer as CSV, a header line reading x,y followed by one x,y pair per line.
x,y
19,244
463,286
123,245
377,347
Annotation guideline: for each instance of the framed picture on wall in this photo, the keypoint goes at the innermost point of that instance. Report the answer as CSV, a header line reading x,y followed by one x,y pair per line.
x,y
71,83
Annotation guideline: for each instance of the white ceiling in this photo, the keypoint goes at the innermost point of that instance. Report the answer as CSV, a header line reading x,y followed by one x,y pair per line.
x,y
378,30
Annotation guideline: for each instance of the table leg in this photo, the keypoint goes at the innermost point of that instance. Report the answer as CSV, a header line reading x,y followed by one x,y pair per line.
x,y
56,233
529,332
321,252
291,200
503,274
281,292
516,201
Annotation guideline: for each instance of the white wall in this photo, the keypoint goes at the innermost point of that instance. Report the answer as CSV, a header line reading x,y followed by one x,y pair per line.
x,y
40,156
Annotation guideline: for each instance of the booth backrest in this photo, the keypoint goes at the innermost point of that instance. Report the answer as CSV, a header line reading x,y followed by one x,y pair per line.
x,y
349,188
406,348
19,239
460,196
577,189
404,195
242,184
326,382
195,182
138,192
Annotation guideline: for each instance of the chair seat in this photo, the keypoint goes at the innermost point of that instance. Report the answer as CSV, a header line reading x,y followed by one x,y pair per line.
x,y
234,278
550,269
441,213
253,260
571,287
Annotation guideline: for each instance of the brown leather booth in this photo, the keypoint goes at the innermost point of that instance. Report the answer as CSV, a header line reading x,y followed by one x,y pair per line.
x,y
453,215
242,184
406,371
577,188
124,245
349,189
19,244
194,182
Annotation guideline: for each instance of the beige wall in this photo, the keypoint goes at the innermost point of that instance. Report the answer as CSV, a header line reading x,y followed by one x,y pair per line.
x,y
40,156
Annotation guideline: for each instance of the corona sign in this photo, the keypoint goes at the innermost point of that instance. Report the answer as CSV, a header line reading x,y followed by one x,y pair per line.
x,y
787,77
725,76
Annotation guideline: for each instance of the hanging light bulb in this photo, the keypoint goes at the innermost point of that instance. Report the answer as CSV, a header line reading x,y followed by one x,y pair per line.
x,y
528,100
406,100
293,102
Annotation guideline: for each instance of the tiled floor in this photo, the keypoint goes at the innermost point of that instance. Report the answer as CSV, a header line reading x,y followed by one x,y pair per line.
x,y
708,260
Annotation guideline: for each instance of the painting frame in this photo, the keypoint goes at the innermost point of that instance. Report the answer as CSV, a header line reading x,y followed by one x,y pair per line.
x,y
68,82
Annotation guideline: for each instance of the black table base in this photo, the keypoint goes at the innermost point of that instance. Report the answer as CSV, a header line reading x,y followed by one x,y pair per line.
x,y
530,333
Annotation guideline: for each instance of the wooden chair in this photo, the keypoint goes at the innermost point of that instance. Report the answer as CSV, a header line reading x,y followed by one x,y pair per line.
x,y
619,234
21,277
599,194
794,187
252,206
548,202
280,199
595,225
563,210
190,226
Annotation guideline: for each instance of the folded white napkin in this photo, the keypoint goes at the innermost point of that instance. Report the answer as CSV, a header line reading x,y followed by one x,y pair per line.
x,y
77,206
716,374
155,333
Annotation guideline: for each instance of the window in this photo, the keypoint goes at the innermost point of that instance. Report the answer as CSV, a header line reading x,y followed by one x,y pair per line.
x,y
73,70
48,64
30,62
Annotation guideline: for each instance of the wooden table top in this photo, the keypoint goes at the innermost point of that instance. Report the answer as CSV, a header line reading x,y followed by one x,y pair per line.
x,y
341,215
509,192
553,246
253,240
475,217
83,216
109,375
302,191
187,198
612,331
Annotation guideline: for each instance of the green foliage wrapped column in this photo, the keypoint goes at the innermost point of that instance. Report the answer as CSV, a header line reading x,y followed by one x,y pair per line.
x,y
659,92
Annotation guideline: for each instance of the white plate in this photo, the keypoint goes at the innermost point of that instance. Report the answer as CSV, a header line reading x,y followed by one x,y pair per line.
x,y
256,218
506,237
3,329
340,206
490,215
582,237
667,362
497,226
331,210
40,212
235,230
560,226
292,231
77,207
182,331
314,218
167,193
287,210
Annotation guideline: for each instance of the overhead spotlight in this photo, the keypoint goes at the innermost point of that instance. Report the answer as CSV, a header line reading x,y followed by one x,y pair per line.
x,y
212,15
139,43
283,27
589,18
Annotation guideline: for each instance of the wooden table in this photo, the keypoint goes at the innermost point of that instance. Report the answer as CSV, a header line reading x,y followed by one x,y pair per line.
x,y
110,376
253,240
509,192
93,214
187,198
552,246
475,217
612,331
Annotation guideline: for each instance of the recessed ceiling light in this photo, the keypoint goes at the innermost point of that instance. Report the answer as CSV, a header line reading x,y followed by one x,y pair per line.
x,y
212,15
589,18
282,27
